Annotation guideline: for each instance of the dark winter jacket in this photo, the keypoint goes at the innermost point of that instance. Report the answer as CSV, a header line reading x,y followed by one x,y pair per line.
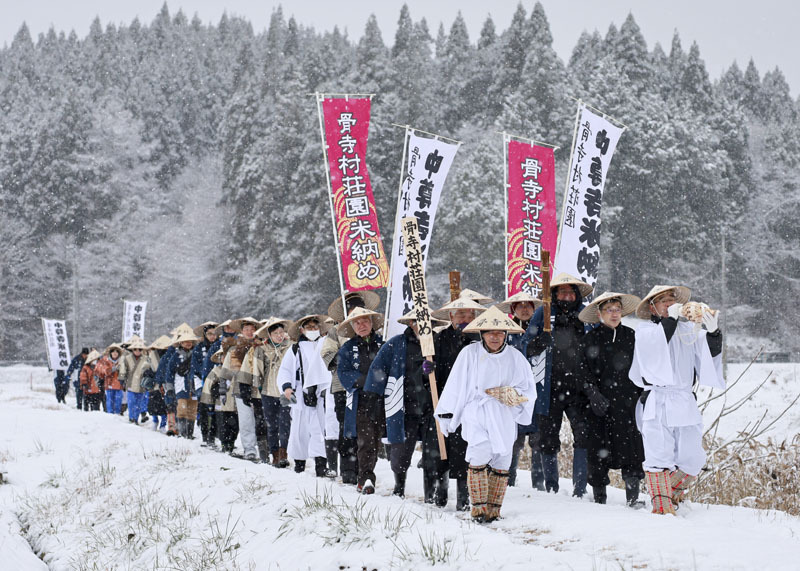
x,y
606,357
197,368
391,378
75,365
448,344
207,363
354,360
178,373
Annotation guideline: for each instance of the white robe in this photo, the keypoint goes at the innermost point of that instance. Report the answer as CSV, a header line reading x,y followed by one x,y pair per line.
x,y
670,421
488,426
306,434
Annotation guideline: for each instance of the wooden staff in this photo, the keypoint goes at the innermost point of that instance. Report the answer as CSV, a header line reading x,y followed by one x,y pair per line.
x,y
455,285
419,294
546,298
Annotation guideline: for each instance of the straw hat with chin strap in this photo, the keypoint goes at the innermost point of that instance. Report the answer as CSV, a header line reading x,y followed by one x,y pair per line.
x,y
136,342
591,313
493,320
294,328
200,330
564,278
93,356
370,298
263,331
682,295
237,324
411,317
345,329
521,297
460,303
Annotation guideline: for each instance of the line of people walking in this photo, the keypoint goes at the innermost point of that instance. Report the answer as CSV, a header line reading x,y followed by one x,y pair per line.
x,y
328,389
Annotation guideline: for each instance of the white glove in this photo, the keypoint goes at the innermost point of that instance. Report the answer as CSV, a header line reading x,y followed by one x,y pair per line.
x,y
711,320
674,310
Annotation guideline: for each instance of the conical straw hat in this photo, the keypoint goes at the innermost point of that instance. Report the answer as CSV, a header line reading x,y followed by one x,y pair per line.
x,y
590,313
460,303
182,336
237,324
505,306
263,331
136,342
370,298
475,296
93,355
162,342
200,330
493,320
682,295
411,316
345,328
294,328
564,278
113,346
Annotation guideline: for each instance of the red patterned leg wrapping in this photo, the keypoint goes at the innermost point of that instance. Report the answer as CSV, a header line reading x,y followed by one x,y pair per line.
x,y
478,483
658,485
498,482
680,482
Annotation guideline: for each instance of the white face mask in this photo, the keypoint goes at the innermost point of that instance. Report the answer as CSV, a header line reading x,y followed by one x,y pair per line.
x,y
312,335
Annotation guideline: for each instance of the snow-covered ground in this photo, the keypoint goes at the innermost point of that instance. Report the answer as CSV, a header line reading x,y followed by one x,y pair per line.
x,y
90,491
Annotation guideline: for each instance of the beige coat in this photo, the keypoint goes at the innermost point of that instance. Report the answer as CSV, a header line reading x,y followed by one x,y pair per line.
x,y
132,370
267,361
212,379
330,348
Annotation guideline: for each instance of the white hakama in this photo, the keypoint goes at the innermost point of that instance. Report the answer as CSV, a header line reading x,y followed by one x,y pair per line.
x,y
488,426
670,422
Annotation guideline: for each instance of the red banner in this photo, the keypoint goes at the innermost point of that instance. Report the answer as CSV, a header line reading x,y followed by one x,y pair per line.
x,y
346,128
531,215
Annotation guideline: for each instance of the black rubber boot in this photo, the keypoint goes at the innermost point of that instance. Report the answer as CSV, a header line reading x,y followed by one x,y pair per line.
x,y
440,492
399,484
580,471
550,469
462,495
263,451
599,493
632,486
321,468
332,452
428,486
299,466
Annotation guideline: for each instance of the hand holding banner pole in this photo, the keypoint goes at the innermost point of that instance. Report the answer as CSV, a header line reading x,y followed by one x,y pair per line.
x,y
419,293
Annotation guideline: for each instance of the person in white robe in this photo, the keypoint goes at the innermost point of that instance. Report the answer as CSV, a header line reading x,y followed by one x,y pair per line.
x,y
305,380
490,389
670,353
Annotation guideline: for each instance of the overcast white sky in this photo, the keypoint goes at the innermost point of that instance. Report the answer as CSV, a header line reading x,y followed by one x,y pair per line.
x,y
726,30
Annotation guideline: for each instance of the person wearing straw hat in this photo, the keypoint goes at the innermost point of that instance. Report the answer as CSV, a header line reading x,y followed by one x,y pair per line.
x,y
237,350
304,380
88,382
132,368
277,416
606,355
219,393
562,392
223,331
178,371
490,389
448,343
156,406
249,380
364,416
522,306
670,354
346,446
107,373
205,414
396,375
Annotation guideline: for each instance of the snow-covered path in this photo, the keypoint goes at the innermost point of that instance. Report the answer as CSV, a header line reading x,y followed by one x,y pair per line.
x,y
94,492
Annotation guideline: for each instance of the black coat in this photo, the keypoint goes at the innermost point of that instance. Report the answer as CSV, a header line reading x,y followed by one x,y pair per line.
x,y
606,360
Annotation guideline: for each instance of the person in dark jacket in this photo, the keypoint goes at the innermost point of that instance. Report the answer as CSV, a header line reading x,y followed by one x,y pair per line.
x,y
61,382
522,306
365,418
448,343
75,366
606,356
205,413
178,369
562,349
396,375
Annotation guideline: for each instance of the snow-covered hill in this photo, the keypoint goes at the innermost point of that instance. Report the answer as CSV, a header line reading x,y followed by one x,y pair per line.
x,y
91,491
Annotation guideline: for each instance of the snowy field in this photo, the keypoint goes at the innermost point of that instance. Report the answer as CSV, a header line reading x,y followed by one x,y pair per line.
x,y
90,491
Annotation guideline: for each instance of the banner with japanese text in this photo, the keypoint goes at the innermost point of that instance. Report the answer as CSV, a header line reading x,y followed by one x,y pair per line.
x,y
55,337
579,240
419,291
364,264
532,225
133,319
424,176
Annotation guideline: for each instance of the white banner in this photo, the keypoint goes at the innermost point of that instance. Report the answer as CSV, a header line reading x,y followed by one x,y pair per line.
x,y
429,161
133,319
579,237
55,336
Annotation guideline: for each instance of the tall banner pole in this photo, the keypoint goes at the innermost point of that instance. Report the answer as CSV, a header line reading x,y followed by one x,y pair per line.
x,y
569,170
320,97
455,285
396,238
419,293
506,283
546,296
44,332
